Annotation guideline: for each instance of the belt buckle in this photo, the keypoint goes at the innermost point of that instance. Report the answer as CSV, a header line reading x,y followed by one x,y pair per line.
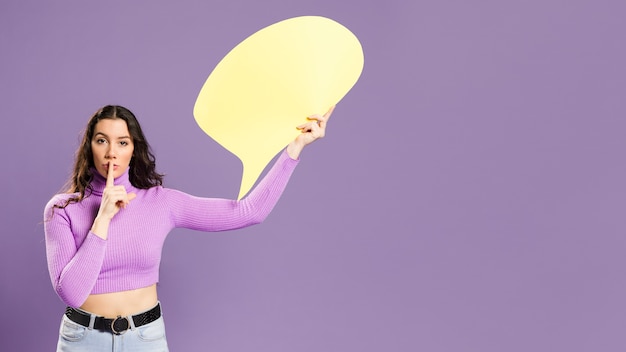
x,y
118,329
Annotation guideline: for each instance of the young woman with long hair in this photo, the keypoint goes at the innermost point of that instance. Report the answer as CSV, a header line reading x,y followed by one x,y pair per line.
x,y
104,236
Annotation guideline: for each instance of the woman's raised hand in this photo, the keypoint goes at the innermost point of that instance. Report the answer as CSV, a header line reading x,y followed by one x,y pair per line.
x,y
311,131
113,199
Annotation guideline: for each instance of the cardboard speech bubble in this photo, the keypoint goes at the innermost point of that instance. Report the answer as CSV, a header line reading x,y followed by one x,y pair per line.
x,y
269,83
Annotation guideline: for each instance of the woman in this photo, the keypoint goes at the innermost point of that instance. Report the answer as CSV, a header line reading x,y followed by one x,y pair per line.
x,y
104,237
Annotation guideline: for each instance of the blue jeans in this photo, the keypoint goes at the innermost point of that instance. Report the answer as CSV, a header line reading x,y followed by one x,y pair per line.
x,y
74,337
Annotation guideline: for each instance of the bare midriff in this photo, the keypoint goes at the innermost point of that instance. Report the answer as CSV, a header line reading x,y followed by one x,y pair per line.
x,y
122,303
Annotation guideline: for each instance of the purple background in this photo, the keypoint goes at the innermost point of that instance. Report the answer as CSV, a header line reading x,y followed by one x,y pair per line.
x,y
469,195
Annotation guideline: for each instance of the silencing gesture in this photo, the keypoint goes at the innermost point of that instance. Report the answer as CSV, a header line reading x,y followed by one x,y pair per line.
x,y
112,148
114,198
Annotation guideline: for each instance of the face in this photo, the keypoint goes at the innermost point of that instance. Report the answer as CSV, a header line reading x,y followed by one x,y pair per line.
x,y
111,142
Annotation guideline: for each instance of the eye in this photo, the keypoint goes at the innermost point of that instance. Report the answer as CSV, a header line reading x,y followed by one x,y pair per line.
x,y
124,143
101,141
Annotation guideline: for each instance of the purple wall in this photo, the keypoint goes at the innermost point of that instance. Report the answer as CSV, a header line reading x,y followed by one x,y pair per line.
x,y
469,195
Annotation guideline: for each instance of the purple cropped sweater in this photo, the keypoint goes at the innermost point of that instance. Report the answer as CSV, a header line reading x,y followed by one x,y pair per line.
x,y
81,263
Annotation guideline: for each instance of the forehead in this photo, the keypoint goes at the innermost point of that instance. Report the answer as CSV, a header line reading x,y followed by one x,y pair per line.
x,y
112,128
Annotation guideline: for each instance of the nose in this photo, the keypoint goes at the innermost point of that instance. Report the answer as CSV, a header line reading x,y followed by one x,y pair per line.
x,y
111,153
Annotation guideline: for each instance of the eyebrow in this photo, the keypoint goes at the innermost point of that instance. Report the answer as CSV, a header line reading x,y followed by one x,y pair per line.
x,y
104,134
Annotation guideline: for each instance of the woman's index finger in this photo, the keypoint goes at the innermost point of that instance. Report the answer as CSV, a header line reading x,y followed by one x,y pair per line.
x,y
329,112
110,178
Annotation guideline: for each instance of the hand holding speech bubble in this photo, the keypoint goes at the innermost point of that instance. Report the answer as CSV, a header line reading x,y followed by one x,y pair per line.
x,y
268,84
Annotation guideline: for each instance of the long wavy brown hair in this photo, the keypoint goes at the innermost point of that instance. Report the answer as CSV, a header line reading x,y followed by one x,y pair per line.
x,y
142,170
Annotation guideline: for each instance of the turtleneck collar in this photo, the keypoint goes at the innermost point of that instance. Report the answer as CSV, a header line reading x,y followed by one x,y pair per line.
x,y
99,182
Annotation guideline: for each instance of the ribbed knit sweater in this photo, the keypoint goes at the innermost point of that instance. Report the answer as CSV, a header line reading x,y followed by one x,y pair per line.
x,y
81,263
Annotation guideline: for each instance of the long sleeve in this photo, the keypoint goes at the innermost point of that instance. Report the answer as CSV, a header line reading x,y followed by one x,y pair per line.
x,y
81,263
74,262
213,214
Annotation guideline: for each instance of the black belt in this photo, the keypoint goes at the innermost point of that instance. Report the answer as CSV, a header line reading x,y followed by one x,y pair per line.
x,y
117,325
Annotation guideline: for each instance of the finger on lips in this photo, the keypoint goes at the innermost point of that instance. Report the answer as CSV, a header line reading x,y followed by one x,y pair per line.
x,y
117,192
110,177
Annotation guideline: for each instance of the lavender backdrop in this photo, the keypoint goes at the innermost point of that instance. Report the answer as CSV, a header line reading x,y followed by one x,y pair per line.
x,y
469,195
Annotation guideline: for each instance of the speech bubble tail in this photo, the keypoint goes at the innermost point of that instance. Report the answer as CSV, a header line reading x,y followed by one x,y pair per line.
x,y
252,168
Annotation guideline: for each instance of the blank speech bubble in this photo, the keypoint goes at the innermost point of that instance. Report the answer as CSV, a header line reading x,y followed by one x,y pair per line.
x,y
268,84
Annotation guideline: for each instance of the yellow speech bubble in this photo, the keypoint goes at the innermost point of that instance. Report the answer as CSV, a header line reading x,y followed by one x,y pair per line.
x,y
268,84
